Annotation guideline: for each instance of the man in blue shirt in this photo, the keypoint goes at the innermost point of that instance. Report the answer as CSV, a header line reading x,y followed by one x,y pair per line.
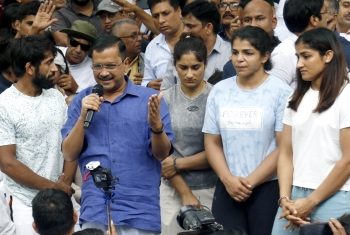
x,y
129,134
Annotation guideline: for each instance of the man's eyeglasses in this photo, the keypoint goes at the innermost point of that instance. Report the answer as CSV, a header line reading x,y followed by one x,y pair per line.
x,y
232,5
133,36
108,67
75,43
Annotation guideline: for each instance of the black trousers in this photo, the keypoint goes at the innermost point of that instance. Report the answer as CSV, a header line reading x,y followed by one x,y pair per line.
x,y
254,216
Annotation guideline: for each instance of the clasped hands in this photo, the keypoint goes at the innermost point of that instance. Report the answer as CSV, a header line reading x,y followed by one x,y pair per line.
x,y
238,188
168,167
296,211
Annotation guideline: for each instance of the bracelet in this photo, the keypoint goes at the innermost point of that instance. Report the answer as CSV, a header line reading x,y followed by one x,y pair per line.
x,y
158,132
280,200
174,164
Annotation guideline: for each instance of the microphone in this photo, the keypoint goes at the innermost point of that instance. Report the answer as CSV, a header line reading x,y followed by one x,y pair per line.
x,y
97,89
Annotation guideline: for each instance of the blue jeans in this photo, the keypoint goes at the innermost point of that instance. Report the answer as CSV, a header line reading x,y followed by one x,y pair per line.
x,y
333,207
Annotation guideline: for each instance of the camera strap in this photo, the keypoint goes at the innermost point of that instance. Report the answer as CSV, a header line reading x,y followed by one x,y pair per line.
x,y
86,176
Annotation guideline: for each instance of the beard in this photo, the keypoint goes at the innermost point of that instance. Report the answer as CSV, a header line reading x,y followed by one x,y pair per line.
x,y
81,2
43,82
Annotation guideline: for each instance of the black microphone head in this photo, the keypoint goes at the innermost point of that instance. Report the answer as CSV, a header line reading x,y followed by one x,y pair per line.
x,y
98,89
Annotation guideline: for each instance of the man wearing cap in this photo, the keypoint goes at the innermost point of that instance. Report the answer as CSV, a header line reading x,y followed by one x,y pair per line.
x,y
74,10
80,38
109,12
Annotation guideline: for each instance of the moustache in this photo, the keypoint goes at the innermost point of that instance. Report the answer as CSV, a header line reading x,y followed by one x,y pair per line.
x,y
228,14
105,78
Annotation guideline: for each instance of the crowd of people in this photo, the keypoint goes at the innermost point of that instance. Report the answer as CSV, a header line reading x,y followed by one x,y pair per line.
x,y
238,106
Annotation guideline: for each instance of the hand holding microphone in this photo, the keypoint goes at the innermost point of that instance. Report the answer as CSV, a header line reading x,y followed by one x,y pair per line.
x,y
91,103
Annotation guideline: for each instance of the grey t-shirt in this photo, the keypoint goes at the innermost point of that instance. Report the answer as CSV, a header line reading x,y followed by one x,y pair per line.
x,y
187,117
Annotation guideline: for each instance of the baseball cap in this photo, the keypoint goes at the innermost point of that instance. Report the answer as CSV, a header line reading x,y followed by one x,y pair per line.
x,y
109,6
82,29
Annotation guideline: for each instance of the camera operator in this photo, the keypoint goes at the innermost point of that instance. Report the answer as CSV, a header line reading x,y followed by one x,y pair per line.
x,y
129,134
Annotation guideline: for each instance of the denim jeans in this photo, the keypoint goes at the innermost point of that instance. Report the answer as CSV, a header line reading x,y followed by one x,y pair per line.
x,y
333,207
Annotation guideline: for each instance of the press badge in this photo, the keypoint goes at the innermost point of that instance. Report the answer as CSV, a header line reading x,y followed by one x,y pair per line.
x,y
241,117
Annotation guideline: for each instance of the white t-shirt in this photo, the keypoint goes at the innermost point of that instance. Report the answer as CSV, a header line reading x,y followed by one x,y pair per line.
x,y
284,61
315,138
82,72
33,124
281,30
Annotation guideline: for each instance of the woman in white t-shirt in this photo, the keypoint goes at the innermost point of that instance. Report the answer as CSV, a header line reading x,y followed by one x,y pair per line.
x,y
314,161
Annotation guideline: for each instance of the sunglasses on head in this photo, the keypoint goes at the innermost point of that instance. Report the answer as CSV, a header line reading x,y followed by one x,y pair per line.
x,y
75,43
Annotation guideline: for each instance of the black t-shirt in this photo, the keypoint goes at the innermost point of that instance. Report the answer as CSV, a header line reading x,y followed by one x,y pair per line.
x,y
4,83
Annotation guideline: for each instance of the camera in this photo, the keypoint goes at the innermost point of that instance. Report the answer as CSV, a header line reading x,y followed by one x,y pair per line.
x,y
199,220
322,228
101,176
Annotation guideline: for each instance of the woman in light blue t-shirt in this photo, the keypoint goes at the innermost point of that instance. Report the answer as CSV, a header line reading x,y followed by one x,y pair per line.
x,y
242,127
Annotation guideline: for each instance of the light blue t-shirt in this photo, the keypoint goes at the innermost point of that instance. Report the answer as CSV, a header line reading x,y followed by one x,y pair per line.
x,y
246,120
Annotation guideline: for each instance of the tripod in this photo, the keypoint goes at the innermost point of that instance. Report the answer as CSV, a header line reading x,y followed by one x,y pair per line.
x,y
108,195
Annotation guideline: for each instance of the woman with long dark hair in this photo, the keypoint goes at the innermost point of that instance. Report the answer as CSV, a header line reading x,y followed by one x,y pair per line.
x,y
242,127
314,160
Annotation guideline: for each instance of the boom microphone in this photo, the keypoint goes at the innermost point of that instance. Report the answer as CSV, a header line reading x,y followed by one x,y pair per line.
x,y
97,89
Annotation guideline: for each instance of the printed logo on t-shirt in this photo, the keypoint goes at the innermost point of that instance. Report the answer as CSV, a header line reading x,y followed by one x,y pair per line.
x,y
241,118
193,108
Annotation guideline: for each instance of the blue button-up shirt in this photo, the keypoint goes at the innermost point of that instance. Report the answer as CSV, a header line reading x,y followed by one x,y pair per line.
x,y
119,137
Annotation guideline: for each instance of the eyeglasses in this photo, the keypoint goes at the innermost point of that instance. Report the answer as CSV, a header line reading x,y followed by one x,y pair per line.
x,y
108,67
232,5
133,36
75,43
326,12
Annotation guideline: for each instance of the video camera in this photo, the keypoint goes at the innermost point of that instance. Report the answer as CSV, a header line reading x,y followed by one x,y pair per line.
x,y
322,228
198,220
103,178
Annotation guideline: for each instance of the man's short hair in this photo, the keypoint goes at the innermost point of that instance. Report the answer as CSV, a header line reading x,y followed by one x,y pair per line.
x,y
26,9
297,13
206,12
174,3
119,23
11,12
30,49
107,41
334,6
89,231
53,212
5,42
